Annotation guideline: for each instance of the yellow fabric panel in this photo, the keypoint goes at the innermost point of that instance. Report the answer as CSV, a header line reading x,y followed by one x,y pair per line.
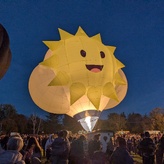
x,y
121,91
77,90
109,91
60,80
94,95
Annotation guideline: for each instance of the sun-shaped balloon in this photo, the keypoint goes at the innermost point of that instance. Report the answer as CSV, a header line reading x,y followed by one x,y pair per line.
x,y
79,76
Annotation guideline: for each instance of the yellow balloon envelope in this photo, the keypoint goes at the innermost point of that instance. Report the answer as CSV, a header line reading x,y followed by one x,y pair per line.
x,y
79,76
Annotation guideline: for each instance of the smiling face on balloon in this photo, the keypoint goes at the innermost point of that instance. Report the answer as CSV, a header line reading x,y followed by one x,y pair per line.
x,y
85,65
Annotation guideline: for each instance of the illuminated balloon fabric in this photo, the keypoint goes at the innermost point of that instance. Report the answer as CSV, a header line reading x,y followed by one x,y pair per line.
x,y
5,53
79,73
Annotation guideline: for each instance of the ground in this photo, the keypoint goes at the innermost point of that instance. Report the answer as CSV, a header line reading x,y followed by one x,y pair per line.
x,y
137,159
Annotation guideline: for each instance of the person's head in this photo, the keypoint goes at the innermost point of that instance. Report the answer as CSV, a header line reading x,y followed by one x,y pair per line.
x,y
96,136
15,143
66,133
4,141
63,134
55,134
147,134
32,141
142,135
51,136
82,137
60,134
121,142
162,140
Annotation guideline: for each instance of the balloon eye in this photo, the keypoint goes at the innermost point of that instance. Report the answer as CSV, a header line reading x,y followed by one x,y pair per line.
x,y
83,53
102,54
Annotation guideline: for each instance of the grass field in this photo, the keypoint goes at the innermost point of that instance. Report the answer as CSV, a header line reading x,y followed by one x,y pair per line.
x,y
137,159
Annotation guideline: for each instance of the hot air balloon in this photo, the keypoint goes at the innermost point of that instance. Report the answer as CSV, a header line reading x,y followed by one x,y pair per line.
x,y
79,76
5,53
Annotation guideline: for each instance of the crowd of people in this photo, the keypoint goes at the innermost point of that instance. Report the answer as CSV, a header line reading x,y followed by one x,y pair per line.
x,y
64,147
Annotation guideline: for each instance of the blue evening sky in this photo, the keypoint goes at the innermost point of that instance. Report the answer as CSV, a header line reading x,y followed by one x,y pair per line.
x,y
135,27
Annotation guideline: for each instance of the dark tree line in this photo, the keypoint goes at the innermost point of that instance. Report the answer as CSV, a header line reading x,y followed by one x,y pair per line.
x,y
134,122
11,121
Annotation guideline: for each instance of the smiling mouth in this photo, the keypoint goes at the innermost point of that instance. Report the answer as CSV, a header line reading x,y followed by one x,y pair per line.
x,y
94,68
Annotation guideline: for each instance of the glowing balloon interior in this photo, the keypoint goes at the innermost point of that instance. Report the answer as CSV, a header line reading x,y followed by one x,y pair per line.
x,y
79,76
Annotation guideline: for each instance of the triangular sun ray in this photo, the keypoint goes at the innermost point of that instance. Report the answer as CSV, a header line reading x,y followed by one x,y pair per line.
x,y
52,45
119,64
118,80
97,37
94,95
111,48
77,90
110,92
64,34
81,32
51,62
60,79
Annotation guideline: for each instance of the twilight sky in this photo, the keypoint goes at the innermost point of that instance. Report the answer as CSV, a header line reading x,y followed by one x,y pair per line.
x,y
136,28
